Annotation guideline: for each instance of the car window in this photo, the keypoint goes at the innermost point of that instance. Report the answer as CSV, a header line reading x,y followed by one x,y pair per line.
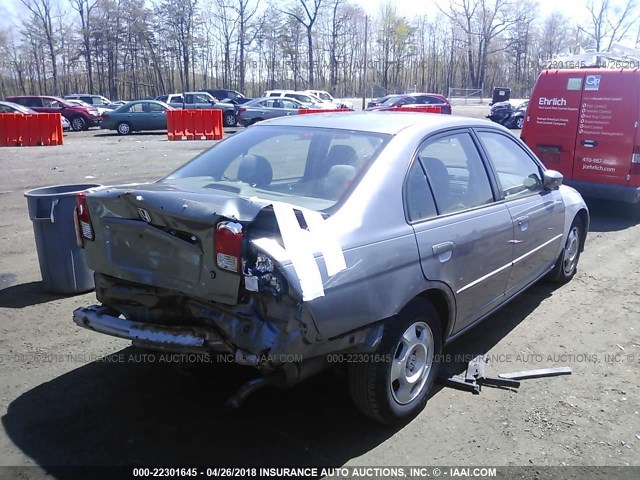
x,y
51,103
154,107
163,98
200,98
136,108
517,172
286,103
177,99
274,94
455,172
310,167
30,102
5,109
419,199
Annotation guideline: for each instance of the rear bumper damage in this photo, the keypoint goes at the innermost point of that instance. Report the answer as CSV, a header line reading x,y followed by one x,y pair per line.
x,y
160,337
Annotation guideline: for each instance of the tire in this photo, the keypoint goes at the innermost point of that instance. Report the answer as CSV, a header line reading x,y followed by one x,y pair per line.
x,y
256,120
520,123
78,124
394,385
567,264
123,128
229,118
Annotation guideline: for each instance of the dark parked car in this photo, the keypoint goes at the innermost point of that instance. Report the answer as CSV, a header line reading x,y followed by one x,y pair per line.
x,y
228,96
136,116
379,101
414,100
198,100
506,114
80,117
264,108
364,239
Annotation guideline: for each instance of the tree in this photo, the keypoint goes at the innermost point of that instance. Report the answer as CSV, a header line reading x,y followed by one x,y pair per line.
x,y
306,16
609,23
41,11
84,8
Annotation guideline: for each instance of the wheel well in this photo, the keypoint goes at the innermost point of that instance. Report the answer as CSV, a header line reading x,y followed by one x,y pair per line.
x,y
584,216
441,303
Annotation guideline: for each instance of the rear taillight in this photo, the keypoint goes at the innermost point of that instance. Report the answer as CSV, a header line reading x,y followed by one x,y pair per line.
x,y
228,246
240,110
635,161
85,229
104,116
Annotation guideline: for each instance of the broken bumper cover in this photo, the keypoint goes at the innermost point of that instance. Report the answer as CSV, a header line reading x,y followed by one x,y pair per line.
x,y
160,337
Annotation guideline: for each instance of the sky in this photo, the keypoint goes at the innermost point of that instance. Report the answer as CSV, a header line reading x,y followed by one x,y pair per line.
x,y
410,8
573,9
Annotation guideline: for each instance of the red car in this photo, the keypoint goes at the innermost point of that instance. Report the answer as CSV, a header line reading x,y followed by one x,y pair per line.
x,y
415,99
79,117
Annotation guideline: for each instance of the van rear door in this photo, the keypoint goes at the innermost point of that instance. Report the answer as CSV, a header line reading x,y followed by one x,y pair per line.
x,y
607,128
552,118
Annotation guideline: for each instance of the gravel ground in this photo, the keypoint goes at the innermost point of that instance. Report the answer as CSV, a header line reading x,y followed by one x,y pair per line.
x,y
72,397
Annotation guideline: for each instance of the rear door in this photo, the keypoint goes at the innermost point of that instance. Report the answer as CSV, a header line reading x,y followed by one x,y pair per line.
x,y
552,118
607,128
463,235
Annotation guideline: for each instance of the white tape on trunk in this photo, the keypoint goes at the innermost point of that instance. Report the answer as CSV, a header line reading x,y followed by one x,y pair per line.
x,y
300,252
329,246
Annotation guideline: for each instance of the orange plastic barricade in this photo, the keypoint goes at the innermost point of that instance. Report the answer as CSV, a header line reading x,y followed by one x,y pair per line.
x,y
205,124
420,108
303,111
17,129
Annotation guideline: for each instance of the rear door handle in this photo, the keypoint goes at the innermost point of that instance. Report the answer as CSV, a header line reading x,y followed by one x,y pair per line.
x,y
523,222
443,251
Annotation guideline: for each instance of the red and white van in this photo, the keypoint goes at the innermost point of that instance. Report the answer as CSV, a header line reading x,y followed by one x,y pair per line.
x,y
584,123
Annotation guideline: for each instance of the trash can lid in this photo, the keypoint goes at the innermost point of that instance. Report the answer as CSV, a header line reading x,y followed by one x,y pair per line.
x,y
60,190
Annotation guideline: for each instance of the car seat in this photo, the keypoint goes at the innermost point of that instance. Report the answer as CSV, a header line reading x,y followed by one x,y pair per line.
x,y
255,170
439,179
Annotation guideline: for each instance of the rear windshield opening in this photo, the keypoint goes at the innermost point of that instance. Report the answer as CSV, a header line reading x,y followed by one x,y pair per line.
x,y
309,167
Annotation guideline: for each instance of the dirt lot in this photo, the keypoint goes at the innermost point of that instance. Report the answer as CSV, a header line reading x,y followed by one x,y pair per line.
x,y
72,397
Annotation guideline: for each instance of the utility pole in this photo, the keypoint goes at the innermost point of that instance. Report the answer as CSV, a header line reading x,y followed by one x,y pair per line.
x,y
364,66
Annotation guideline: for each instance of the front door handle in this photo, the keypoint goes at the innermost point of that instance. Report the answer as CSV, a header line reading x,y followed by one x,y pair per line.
x,y
443,251
523,222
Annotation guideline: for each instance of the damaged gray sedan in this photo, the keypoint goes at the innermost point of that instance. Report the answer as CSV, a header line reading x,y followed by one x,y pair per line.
x,y
366,239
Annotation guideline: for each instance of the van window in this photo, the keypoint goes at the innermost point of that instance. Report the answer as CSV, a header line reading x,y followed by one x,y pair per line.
x,y
517,173
30,102
456,173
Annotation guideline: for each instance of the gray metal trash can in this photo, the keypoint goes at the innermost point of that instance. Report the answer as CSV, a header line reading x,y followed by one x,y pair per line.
x,y
62,263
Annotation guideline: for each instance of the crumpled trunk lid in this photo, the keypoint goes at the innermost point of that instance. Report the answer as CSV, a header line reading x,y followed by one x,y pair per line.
x,y
161,236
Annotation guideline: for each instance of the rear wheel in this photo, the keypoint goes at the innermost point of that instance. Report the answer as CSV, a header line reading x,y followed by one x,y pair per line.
x,y
229,118
567,264
78,124
123,128
393,384
520,122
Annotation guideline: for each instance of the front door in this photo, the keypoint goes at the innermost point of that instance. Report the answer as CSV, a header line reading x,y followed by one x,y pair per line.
x,y
537,214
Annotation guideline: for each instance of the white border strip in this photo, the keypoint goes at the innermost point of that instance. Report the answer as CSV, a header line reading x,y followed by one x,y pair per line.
x,y
299,251
329,246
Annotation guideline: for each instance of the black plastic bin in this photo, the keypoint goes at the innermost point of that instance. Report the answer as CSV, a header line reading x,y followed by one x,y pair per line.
x,y
62,262
501,94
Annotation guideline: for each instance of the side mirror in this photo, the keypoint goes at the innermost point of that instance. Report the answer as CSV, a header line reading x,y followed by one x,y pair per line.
x,y
552,179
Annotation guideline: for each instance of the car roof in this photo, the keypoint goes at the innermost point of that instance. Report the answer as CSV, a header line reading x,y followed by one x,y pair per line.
x,y
389,123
